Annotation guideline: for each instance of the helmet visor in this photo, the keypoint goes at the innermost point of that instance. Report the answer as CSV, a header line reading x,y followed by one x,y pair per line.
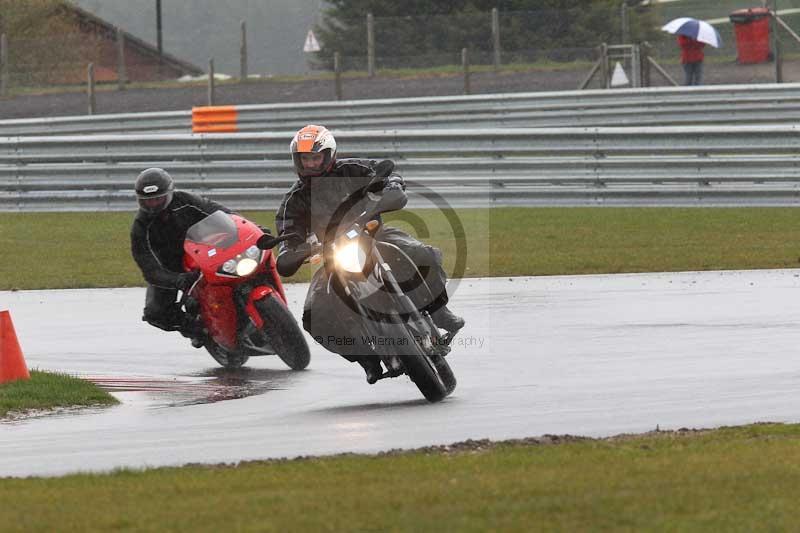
x,y
310,164
155,204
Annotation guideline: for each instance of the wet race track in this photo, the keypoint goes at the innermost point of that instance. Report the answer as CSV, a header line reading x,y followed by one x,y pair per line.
x,y
581,355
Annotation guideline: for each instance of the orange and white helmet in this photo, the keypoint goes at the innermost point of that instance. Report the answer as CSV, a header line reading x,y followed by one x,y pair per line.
x,y
311,140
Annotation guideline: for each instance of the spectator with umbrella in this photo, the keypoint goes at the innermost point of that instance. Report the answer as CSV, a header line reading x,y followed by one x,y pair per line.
x,y
693,35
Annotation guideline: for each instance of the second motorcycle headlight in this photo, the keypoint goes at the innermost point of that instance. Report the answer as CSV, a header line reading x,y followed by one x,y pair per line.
x,y
351,257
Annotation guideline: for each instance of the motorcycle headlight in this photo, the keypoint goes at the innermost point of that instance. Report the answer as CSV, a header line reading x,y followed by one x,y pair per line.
x,y
246,266
253,252
351,257
229,266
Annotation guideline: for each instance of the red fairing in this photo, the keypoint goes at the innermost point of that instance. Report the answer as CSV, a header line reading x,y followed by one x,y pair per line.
x,y
218,314
209,258
215,292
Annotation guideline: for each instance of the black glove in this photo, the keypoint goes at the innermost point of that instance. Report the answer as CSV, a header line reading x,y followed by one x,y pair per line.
x,y
185,281
384,168
264,229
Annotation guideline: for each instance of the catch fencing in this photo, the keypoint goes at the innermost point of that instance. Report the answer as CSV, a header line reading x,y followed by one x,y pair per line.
x,y
696,165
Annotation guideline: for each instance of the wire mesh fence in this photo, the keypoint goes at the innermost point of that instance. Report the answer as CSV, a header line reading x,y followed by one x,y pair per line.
x,y
558,54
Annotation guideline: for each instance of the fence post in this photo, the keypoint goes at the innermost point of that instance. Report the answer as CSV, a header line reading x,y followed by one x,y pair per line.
x,y
90,87
211,81
604,64
3,65
496,38
337,75
624,22
776,42
636,66
465,66
645,63
243,53
122,74
370,45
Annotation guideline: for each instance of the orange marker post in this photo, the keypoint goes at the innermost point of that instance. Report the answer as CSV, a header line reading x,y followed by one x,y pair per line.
x,y
215,119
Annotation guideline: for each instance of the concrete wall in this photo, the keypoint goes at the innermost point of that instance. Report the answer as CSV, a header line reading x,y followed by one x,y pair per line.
x,y
197,30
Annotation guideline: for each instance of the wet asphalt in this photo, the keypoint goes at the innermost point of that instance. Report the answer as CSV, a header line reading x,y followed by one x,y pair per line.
x,y
579,355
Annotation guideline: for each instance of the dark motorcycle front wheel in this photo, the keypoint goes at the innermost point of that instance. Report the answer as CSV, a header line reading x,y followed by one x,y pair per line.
x,y
223,357
430,373
283,332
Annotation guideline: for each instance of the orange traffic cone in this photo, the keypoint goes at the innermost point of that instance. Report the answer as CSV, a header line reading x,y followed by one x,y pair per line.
x,y
12,364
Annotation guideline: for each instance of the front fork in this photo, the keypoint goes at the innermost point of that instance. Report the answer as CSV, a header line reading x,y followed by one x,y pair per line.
x,y
258,293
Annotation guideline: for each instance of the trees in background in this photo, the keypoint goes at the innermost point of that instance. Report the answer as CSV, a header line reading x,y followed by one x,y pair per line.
x,y
43,39
444,27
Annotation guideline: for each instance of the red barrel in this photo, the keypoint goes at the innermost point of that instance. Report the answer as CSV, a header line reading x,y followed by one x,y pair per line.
x,y
752,34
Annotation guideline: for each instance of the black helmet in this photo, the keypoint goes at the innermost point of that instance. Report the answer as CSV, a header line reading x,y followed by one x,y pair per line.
x,y
154,190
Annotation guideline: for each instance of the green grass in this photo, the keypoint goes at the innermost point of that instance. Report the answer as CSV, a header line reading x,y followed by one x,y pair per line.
x,y
733,479
46,390
614,240
70,250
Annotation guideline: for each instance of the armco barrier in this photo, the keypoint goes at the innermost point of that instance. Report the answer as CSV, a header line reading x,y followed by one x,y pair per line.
x,y
706,105
726,165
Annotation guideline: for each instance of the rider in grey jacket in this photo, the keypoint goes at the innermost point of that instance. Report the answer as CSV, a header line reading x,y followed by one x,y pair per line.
x,y
312,206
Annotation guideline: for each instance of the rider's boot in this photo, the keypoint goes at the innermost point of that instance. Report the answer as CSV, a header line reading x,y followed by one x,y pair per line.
x,y
193,329
445,319
372,367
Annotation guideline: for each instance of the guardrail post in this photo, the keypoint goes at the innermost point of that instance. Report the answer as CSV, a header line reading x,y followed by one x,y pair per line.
x,y
243,52
122,74
3,65
496,38
370,45
337,75
90,87
465,66
211,81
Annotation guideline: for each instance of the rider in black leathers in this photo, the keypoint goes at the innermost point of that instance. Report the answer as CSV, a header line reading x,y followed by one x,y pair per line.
x,y
157,236
314,205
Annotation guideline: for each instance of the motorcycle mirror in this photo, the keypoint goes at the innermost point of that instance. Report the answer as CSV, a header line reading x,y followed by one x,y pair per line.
x,y
384,168
391,200
267,241
376,184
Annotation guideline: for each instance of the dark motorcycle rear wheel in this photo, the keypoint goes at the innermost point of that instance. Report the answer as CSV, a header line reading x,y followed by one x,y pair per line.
x,y
283,332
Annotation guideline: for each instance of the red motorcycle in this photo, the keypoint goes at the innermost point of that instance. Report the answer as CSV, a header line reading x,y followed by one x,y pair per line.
x,y
239,297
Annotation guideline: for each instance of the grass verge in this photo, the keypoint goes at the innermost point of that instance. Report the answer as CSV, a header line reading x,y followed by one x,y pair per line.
x,y
46,390
544,65
741,479
71,250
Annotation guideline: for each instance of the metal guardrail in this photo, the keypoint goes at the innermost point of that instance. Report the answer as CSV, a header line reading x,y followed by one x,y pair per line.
x,y
724,165
721,104
410,144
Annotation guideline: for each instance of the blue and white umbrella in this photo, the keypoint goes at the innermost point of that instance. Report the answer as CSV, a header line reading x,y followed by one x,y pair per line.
x,y
699,30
